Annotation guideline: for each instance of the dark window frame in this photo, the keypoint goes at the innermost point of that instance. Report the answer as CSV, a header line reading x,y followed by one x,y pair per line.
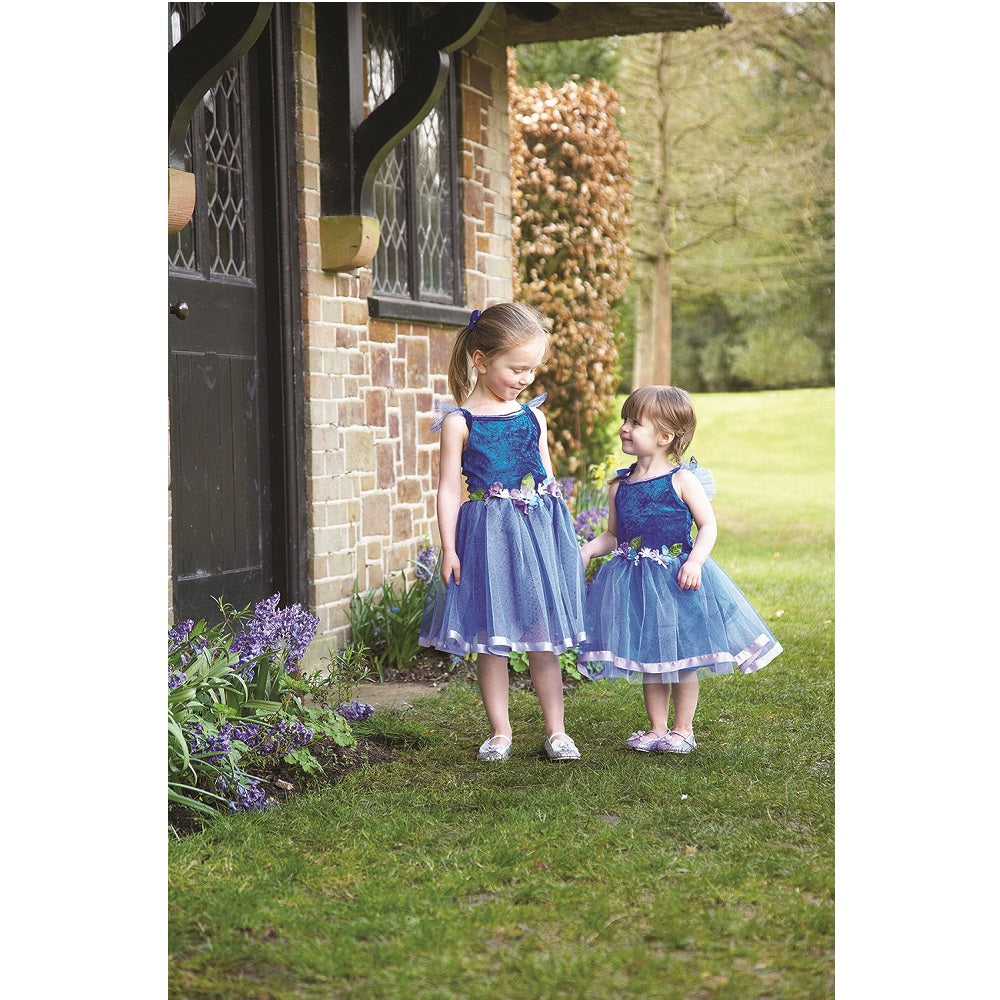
x,y
420,306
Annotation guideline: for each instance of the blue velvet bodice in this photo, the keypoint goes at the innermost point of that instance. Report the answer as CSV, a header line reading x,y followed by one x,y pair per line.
x,y
502,449
653,510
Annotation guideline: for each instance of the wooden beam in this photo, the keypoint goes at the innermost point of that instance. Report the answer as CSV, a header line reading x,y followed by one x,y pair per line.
x,y
428,46
196,62
352,146
194,65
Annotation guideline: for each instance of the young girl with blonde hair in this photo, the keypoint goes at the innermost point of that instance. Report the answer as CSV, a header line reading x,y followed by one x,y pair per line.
x,y
662,610
510,575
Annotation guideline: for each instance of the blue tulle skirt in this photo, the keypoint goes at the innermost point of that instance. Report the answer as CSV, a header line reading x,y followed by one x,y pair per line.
x,y
641,626
522,582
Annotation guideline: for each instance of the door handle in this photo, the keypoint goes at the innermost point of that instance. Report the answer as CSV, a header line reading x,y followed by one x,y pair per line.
x,y
179,309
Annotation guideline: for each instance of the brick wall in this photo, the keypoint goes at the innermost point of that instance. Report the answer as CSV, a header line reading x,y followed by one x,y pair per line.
x,y
371,457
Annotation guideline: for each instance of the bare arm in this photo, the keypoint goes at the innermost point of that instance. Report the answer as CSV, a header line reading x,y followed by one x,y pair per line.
x,y
454,433
693,494
607,540
543,443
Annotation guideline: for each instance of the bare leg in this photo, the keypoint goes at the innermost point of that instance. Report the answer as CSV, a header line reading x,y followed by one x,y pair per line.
x,y
685,695
494,684
546,679
657,699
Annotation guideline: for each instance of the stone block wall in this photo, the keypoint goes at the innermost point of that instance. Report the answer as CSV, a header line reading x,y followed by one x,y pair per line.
x,y
370,384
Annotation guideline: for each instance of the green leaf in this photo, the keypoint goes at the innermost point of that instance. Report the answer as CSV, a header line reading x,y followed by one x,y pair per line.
x,y
261,705
175,793
303,759
675,550
528,483
636,543
478,495
518,661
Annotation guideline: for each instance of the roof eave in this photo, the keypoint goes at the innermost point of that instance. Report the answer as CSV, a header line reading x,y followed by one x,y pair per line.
x,y
556,22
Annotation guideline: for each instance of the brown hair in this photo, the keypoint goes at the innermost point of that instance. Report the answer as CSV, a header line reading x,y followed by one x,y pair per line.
x,y
670,409
495,330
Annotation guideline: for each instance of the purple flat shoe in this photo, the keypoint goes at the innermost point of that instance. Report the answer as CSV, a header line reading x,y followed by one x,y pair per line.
x,y
674,742
643,742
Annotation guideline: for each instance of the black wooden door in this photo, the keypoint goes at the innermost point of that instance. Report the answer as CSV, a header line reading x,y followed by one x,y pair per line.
x,y
226,437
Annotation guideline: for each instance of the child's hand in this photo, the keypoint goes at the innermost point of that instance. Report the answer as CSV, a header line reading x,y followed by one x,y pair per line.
x,y
450,564
689,576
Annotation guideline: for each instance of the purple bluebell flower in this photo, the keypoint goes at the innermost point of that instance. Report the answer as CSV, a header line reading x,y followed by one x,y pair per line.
x,y
425,562
179,633
249,796
589,523
277,739
271,632
355,711
213,749
248,733
252,797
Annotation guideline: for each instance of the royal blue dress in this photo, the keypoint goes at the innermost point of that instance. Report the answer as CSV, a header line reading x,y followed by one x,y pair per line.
x,y
522,579
640,624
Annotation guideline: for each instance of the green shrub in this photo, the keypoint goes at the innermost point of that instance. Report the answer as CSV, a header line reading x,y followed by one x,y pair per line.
x,y
571,224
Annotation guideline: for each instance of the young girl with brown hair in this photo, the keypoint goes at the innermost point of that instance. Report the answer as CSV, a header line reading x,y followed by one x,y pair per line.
x,y
662,610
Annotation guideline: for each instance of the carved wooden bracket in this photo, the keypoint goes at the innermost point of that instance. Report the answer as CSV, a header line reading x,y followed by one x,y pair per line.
x,y
429,45
195,63
353,147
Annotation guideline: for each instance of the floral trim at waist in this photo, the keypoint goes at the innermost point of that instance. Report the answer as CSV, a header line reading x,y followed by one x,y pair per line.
x,y
633,551
523,498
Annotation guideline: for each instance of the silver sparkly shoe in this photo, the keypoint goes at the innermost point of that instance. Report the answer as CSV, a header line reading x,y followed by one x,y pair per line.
x,y
492,751
674,742
560,747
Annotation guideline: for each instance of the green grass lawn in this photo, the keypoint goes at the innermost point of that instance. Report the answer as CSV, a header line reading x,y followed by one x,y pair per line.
x,y
621,875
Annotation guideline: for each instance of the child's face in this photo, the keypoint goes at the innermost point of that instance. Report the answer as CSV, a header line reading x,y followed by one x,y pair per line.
x,y
641,437
507,375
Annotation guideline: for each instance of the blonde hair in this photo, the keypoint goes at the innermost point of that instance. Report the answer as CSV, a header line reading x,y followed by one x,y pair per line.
x,y
496,330
670,409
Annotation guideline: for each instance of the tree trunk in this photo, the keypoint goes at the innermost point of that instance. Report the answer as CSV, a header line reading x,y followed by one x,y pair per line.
x,y
653,346
643,348
661,309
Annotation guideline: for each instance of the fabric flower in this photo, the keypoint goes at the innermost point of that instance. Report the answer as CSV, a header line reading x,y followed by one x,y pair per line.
x,y
523,500
552,488
635,550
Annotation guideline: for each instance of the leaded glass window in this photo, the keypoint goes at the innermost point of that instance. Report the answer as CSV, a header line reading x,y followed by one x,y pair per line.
x,y
214,242
415,186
